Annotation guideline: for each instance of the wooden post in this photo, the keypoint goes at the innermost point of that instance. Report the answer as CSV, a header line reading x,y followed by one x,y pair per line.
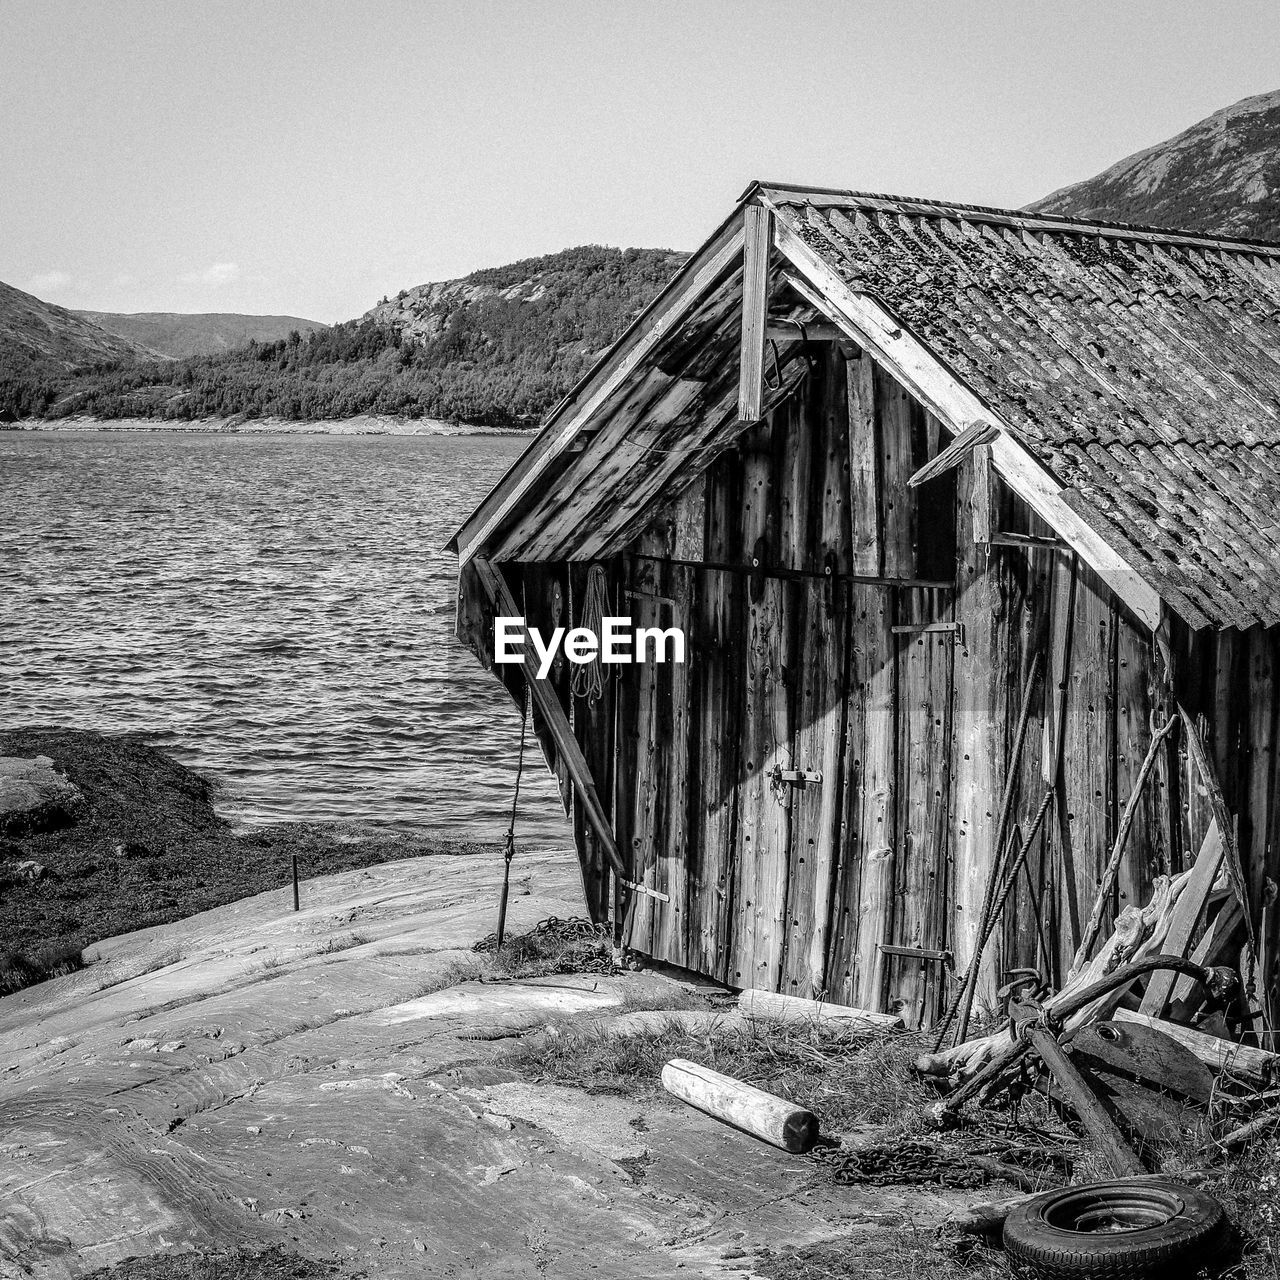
x,y
296,905
758,245
557,722
1119,1155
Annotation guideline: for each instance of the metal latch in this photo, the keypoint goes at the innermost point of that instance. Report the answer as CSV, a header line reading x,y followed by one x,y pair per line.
x,y
648,893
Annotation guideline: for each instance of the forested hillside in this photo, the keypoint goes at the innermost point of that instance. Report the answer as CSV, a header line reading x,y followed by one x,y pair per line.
x,y
497,348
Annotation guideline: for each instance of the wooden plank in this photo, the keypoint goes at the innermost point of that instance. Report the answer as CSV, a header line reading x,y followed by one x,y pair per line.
x,y
815,809
591,395
936,387
1221,816
1088,751
878,835
864,466
924,741
846,894
980,712
681,785
557,722
833,547
757,247
1133,709
1184,918
982,521
690,544
897,508
762,828
954,454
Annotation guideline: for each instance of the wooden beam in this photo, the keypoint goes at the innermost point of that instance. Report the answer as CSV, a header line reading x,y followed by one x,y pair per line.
x,y
557,722
757,246
954,454
804,331
931,382
1222,815
982,521
1183,919
582,404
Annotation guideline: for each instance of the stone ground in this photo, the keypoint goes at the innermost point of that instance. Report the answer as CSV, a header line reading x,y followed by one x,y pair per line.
x,y
324,1081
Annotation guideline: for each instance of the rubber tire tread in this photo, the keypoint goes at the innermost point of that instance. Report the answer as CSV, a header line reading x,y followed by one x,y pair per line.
x,y
1195,1238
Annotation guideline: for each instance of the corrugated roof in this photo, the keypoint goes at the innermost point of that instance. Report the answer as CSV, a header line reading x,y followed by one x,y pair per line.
x,y
1141,366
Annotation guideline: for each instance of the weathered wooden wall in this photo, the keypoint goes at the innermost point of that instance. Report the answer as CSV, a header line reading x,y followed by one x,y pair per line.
x,y
802,568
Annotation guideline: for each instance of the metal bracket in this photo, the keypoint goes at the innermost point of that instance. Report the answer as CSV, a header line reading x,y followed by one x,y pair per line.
x,y
921,628
648,893
796,775
916,953
648,595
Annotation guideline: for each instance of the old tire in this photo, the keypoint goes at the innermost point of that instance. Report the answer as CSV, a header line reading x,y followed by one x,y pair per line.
x,y
1126,1230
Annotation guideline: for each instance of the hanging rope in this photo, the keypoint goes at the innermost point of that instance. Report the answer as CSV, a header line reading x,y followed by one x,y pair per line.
x,y
509,851
587,680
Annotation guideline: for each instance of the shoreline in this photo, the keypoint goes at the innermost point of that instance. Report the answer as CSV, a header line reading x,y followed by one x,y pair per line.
x,y
359,425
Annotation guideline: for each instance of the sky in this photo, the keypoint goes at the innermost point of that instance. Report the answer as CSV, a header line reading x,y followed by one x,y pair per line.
x,y
306,157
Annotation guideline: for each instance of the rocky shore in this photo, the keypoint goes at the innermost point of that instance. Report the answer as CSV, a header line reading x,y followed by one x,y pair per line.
x,y
101,835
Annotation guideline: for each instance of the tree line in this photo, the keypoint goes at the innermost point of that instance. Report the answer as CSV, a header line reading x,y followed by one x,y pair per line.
x,y
499,353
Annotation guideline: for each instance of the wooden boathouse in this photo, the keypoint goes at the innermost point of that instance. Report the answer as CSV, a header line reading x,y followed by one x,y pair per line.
x,y
957,507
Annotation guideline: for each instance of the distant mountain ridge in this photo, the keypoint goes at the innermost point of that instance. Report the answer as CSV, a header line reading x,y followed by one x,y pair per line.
x,y
1222,176
38,333
205,333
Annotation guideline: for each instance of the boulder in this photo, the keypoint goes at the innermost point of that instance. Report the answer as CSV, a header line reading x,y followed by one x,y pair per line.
x,y
34,796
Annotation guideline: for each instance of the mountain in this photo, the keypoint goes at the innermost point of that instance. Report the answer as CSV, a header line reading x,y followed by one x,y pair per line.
x,y
496,348
176,334
1221,175
39,333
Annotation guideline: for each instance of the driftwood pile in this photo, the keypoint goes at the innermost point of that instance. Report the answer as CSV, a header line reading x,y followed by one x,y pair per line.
x,y
1117,1043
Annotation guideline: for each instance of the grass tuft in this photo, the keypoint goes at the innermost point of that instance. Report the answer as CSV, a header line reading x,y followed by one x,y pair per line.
x,y
848,1080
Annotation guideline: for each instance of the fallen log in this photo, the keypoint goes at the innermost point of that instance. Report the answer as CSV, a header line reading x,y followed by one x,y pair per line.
x,y
1257,1067
761,1114
780,1008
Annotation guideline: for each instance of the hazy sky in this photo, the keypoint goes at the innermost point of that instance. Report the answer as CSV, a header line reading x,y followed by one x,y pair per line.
x,y
308,157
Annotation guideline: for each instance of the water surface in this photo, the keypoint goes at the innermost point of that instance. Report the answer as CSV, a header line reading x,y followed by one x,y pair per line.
x,y
277,611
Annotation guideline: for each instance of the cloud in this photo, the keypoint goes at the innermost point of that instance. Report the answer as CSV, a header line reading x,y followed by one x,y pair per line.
x,y
49,282
216,273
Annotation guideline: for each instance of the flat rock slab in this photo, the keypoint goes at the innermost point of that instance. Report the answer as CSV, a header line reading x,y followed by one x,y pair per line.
x,y
336,1081
34,796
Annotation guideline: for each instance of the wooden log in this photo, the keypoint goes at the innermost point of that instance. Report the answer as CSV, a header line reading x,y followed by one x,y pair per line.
x,y
783,1008
1102,1128
1256,1067
752,1110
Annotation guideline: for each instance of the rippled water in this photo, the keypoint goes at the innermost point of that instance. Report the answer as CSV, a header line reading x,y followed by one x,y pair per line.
x,y
277,611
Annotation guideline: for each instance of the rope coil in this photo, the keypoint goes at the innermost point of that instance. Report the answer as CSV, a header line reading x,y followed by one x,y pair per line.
x,y
587,680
